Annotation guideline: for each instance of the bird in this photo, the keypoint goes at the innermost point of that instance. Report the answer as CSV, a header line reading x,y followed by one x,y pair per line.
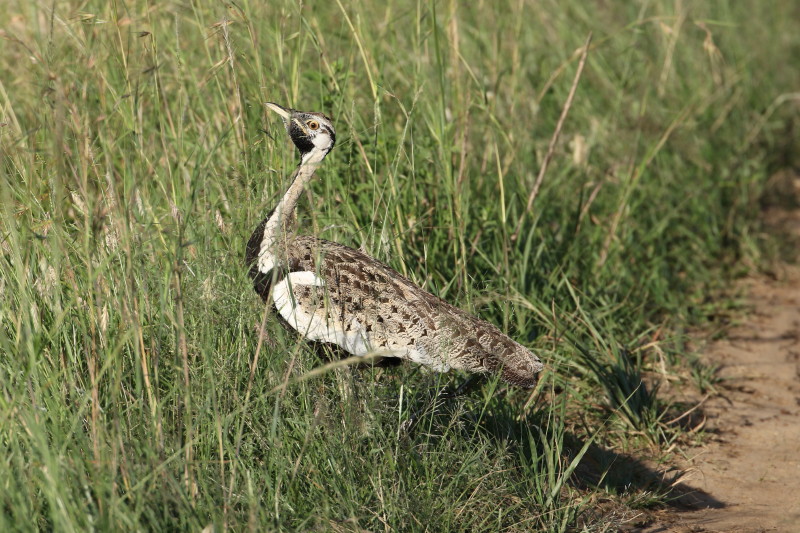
x,y
334,294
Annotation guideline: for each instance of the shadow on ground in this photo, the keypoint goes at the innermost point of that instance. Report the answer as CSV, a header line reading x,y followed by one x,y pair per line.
x,y
615,473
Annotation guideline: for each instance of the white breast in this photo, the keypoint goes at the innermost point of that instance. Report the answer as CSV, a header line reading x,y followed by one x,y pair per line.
x,y
315,323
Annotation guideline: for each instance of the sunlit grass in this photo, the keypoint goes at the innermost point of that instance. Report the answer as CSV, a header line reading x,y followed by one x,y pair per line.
x,y
137,157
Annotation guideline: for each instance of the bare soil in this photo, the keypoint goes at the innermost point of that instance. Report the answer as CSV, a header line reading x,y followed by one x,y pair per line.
x,y
747,474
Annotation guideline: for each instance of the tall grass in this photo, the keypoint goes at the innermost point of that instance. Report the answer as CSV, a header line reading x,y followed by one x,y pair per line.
x,y
137,392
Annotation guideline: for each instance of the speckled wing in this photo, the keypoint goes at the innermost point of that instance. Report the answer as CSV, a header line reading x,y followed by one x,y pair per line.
x,y
336,294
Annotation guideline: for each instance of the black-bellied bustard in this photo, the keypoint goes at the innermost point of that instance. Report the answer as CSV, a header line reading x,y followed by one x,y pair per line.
x,y
334,294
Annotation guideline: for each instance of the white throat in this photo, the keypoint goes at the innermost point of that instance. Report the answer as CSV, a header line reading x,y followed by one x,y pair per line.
x,y
275,228
315,156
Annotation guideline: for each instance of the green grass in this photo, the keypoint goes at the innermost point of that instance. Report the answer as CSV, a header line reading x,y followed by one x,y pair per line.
x,y
135,390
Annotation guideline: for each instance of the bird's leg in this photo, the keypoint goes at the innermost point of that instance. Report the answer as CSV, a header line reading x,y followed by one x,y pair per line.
x,y
462,389
417,412
444,393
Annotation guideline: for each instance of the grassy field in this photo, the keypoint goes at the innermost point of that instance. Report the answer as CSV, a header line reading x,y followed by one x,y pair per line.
x,y
135,390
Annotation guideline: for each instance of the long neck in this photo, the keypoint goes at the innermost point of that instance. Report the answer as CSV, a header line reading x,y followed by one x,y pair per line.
x,y
276,227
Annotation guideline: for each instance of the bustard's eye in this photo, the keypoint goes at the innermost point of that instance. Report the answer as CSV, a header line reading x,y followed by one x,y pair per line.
x,y
313,124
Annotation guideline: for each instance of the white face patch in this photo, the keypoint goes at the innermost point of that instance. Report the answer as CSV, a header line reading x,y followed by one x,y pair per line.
x,y
322,145
322,141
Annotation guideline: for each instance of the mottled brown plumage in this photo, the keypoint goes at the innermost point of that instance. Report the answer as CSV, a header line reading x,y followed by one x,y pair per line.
x,y
332,293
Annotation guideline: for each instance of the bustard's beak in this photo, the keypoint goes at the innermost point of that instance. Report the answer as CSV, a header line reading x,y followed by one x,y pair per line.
x,y
282,111
286,115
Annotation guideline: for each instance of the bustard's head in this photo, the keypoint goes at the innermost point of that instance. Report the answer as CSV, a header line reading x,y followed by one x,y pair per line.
x,y
312,133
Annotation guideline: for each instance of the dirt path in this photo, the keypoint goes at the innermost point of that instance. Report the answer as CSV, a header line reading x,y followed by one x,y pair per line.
x,y
752,462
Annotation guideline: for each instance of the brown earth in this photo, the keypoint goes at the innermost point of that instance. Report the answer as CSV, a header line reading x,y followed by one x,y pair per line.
x,y
748,471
